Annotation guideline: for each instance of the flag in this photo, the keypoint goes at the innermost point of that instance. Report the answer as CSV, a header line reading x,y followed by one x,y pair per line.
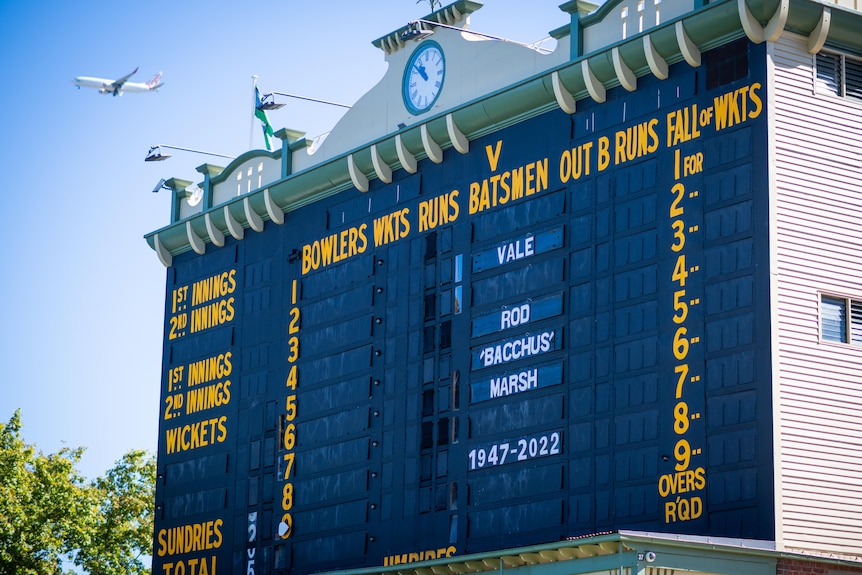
x,y
260,114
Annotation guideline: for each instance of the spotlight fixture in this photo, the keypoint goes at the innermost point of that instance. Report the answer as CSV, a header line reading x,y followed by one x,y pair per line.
x,y
267,101
416,31
155,154
161,186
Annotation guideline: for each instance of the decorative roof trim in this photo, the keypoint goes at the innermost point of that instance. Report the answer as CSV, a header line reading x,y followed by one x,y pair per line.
x,y
674,41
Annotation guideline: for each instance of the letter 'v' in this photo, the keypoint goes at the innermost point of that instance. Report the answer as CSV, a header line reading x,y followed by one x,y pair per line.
x,y
494,155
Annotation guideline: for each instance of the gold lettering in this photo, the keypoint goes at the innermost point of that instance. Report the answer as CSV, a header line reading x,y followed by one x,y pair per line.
x,y
423,555
195,435
493,155
189,538
604,154
334,248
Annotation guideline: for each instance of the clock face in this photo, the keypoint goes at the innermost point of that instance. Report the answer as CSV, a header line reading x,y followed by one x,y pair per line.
x,y
423,77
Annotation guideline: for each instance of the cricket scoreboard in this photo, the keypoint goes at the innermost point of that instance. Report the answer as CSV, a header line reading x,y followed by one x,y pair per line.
x,y
564,331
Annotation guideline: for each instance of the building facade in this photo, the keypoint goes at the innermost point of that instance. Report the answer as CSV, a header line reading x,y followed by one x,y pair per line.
x,y
590,310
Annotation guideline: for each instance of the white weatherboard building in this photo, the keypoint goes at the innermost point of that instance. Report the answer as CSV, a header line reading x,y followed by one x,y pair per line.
x,y
781,484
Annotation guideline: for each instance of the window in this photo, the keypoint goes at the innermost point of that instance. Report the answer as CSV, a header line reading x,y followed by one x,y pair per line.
x,y
624,14
640,16
726,64
834,324
838,74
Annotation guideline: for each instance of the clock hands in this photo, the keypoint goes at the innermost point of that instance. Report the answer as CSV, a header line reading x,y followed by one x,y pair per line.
x,y
423,78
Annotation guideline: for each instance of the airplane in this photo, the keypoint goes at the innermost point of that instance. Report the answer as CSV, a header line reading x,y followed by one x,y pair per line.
x,y
117,87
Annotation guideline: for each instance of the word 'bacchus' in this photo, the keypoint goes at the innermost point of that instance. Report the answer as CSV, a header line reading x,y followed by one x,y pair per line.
x,y
526,346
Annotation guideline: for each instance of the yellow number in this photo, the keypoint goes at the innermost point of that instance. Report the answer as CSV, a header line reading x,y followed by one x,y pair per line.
x,y
294,320
289,436
675,209
679,270
680,418
678,235
173,333
291,378
287,520
287,497
174,403
682,451
679,306
290,408
682,370
293,346
680,344
288,458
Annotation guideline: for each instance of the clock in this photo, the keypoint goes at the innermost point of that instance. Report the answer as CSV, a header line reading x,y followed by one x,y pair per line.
x,y
423,77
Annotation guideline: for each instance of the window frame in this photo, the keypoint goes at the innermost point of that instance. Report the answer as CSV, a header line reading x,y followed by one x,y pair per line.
x,y
847,322
838,75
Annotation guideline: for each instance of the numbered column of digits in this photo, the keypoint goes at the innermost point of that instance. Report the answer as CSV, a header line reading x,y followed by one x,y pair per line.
x,y
289,415
675,488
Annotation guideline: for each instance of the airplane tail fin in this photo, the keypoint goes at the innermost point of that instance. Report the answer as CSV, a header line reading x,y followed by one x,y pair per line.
x,y
155,83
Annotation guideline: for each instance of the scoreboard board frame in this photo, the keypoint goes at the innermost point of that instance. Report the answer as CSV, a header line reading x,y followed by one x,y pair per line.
x,y
562,332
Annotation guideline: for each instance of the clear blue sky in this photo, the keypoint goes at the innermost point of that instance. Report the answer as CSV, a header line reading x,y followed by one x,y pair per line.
x,y
83,293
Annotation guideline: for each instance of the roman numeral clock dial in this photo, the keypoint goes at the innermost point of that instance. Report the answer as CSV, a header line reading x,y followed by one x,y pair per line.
x,y
423,77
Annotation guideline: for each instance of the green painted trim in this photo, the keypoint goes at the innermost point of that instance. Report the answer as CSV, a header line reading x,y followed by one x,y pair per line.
x,y
705,546
561,32
561,567
613,561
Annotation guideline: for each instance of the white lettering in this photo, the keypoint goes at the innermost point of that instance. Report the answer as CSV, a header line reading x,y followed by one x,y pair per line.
x,y
515,316
514,383
514,350
514,251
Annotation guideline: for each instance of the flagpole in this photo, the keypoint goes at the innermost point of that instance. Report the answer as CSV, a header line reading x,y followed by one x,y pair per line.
x,y
253,104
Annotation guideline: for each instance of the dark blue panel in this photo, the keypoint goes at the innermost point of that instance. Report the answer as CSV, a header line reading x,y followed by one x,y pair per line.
x,y
328,517
526,482
191,504
504,222
197,469
332,337
330,457
349,546
527,413
338,425
523,280
515,518
340,364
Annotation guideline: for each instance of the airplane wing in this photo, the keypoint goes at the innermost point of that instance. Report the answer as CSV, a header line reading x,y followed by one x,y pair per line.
x,y
117,85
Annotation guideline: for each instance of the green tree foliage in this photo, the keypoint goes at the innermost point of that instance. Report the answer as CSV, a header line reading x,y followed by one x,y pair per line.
x,y
123,530
434,4
49,512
